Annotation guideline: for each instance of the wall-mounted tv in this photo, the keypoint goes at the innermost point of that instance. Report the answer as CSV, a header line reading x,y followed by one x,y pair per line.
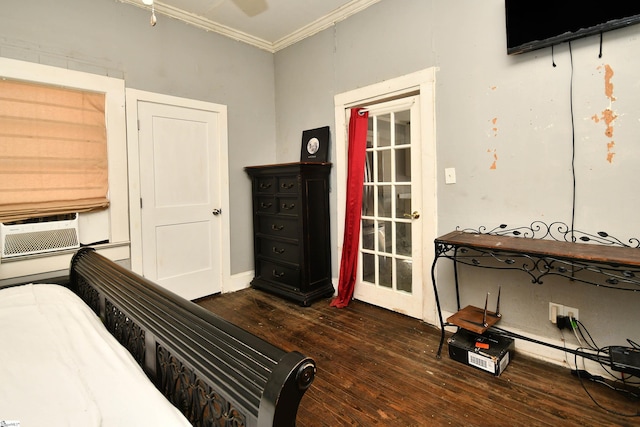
x,y
535,24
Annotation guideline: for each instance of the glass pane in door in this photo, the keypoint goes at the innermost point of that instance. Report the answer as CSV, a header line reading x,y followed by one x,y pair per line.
x,y
387,213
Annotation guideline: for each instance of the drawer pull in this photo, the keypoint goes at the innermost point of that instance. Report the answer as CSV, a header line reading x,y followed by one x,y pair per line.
x,y
287,185
288,207
264,205
264,186
276,227
277,251
276,274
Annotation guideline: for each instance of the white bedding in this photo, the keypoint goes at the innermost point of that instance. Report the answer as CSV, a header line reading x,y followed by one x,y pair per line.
x,y
59,366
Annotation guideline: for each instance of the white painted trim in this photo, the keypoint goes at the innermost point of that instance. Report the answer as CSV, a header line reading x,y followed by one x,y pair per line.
x,y
56,262
318,25
422,81
133,96
203,23
323,23
239,282
118,212
115,121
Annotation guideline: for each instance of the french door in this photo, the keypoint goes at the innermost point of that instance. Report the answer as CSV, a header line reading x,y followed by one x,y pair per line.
x,y
399,219
390,257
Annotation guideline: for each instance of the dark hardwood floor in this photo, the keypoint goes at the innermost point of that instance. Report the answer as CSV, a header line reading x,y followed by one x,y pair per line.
x,y
378,368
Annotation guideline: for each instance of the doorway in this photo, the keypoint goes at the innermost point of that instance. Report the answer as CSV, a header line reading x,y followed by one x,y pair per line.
x,y
389,267
179,209
399,205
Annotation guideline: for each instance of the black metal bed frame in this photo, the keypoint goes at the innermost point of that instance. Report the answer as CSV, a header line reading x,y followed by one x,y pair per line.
x,y
216,373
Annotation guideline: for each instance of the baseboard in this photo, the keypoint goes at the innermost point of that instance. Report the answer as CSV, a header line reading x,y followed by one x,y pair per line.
x,y
238,282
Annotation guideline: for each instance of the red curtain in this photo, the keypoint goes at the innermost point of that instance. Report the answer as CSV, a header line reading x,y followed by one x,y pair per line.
x,y
355,178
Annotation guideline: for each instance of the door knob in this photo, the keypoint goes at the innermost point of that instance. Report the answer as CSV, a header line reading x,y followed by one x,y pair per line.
x,y
217,212
413,215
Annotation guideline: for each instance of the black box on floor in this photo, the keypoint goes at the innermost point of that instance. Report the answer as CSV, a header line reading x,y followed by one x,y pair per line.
x,y
488,352
625,359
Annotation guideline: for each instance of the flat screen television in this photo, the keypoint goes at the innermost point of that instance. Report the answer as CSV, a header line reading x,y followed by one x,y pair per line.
x,y
535,24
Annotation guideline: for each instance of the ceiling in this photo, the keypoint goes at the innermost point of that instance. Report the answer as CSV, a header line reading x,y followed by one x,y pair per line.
x,y
268,24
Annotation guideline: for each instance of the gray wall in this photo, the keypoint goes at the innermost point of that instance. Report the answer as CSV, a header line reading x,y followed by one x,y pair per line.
x,y
490,107
111,38
382,42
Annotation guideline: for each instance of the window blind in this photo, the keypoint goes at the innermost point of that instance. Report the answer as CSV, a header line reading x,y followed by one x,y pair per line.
x,y
53,150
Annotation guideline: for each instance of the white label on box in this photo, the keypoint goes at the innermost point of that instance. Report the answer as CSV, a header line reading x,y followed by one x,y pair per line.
x,y
504,362
481,362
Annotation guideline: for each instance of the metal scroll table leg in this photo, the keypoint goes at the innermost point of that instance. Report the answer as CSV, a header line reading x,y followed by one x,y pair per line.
x,y
435,293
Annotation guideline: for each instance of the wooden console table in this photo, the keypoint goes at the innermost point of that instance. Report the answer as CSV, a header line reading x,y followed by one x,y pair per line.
x,y
540,250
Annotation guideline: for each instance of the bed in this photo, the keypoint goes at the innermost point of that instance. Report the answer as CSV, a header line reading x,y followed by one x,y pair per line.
x,y
109,348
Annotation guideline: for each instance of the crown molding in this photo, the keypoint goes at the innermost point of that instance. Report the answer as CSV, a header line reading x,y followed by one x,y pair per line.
x,y
203,23
321,24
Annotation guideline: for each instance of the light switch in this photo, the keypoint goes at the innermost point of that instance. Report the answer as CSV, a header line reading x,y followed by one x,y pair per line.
x,y
449,175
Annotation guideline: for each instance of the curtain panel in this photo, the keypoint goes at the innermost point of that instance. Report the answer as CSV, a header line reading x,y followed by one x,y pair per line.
x,y
53,150
358,125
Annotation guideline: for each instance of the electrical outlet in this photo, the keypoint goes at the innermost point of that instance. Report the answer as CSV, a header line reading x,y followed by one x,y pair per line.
x,y
570,312
556,310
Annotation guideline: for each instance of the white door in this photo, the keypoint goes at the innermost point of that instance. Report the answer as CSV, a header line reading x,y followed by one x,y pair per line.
x,y
180,225
390,259
402,181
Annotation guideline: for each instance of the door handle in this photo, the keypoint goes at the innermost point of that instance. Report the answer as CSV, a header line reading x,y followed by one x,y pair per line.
x,y
413,215
217,212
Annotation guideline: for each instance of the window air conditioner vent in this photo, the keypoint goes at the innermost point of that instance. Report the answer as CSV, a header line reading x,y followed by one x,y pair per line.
x,y
39,237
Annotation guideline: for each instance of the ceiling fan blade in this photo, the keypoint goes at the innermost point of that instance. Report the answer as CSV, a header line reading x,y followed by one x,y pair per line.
x,y
252,7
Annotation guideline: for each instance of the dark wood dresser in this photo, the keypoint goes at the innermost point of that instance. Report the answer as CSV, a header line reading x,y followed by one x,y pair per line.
x,y
292,245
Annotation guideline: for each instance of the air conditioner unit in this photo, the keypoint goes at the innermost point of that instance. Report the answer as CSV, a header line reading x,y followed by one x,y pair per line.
x,y
39,235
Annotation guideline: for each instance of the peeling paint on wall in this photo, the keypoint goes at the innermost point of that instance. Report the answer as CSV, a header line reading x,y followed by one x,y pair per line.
x,y
494,165
608,86
610,152
607,115
494,128
493,123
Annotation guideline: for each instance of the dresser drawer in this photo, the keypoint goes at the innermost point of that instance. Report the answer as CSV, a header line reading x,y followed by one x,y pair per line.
x,y
278,250
266,184
288,184
279,205
266,204
274,272
278,226
288,206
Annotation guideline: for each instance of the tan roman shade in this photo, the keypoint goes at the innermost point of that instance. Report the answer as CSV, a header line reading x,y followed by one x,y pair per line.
x,y
53,150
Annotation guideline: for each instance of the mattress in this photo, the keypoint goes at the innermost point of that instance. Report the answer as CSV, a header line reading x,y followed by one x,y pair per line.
x,y
60,366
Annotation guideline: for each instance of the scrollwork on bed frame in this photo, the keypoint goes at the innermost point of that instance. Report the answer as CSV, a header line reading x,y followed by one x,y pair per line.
x,y
202,404
126,331
214,372
89,295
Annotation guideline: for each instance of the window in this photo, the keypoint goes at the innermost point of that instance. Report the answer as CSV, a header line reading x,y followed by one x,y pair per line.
x,y
53,150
